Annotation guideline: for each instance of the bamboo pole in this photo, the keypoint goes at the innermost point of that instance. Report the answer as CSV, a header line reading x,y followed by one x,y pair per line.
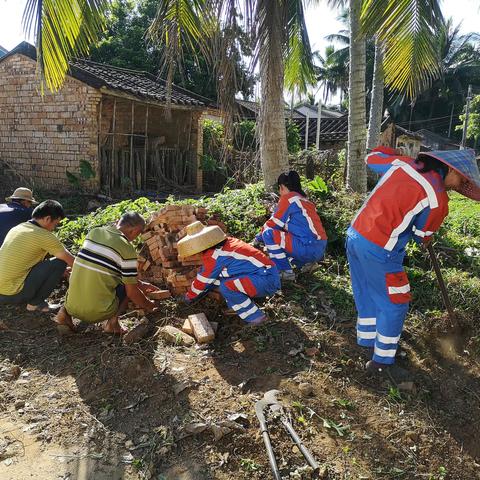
x,y
319,121
307,127
132,127
99,140
145,151
112,173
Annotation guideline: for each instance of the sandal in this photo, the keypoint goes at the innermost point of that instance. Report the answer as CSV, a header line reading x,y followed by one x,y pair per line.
x,y
44,307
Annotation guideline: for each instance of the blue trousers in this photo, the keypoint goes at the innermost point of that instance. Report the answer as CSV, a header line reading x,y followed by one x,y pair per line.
x,y
382,295
239,291
283,246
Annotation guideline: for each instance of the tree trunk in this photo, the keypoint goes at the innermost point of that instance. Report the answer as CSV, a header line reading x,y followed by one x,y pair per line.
x,y
273,135
376,106
356,169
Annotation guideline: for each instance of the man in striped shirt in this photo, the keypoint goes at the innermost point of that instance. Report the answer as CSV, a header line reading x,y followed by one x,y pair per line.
x,y
104,276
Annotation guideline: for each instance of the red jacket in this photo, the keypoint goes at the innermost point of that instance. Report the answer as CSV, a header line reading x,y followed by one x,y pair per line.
x,y
405,203
234,258
297,215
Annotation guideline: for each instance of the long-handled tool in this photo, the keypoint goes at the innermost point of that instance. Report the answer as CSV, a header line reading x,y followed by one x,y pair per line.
x,y
441,284
270,400
259,410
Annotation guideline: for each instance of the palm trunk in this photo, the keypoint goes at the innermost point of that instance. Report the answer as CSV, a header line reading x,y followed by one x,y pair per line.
x,y
376,106
356,170
273,135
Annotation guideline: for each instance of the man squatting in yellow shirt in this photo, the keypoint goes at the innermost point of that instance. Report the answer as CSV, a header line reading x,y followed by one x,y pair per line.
x,y
104,276
25,275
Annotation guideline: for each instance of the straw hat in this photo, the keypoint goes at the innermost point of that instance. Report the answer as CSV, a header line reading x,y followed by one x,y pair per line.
x,y
199,238
22,194
464,162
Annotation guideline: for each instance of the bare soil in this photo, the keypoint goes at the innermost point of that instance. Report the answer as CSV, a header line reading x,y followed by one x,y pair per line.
x,y
86,406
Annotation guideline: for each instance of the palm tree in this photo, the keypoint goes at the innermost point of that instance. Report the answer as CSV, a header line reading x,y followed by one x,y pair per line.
x,y
65,28
459,60
62,29
333,72
376,103
356,171
410,64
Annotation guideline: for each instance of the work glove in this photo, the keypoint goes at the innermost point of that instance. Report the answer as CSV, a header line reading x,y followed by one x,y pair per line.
x,y
258,241
184,301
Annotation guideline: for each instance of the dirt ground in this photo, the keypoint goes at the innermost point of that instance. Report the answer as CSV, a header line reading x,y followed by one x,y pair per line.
x,y
86,406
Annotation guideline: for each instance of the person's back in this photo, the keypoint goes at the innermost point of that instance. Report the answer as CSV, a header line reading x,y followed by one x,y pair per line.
x,y
302,218
238,258
405,204
106,260
11,215
17,210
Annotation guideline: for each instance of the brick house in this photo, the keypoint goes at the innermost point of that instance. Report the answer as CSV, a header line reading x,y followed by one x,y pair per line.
x,y
115,119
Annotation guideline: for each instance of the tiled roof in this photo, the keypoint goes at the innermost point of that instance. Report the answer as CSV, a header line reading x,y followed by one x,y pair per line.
x,y
254,108
134,82
137,83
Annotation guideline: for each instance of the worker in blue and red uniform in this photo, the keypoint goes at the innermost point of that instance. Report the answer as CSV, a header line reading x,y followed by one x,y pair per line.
x,y
294,233
240,271
409,202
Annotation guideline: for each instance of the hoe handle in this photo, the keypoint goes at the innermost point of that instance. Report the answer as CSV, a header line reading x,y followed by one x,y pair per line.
x,y
441,283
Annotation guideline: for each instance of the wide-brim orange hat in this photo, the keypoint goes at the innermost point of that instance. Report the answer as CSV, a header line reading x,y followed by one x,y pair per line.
x,y
22,193
199,238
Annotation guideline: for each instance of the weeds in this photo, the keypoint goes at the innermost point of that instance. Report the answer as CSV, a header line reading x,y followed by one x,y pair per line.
x,y
394,395
343,403
440,475
249,465
338,427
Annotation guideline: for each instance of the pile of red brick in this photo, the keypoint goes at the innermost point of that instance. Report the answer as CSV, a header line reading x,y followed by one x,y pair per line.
x,y
159,262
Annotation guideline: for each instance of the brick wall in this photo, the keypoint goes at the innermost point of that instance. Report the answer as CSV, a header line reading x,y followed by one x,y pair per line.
x,y
42,137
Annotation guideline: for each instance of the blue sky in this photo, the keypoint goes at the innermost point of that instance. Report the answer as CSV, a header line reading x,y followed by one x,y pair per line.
x,y
321,20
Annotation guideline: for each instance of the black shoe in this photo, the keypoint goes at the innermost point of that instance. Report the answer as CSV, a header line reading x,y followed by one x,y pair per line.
x,y
394,372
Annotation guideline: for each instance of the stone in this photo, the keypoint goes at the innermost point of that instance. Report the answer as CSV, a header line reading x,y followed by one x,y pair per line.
x,y
93,205
305,389
408,387
15,372
138,332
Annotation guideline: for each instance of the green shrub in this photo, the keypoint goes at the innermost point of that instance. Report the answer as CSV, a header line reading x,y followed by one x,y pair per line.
x,y
213,133
293,137
243,211
72,232
245,135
